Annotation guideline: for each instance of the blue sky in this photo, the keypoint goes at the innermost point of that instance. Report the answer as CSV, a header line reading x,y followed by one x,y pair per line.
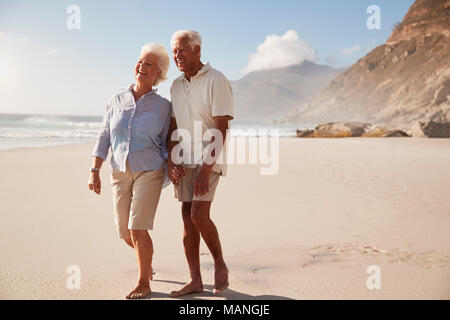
x,y
47,68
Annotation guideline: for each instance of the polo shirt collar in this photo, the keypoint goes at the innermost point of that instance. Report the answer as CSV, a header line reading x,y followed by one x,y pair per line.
x,y
206,67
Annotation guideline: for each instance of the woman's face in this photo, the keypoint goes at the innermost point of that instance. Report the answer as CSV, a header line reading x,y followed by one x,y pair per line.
x,y
146,70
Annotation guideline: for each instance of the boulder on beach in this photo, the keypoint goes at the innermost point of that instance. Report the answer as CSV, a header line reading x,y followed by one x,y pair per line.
x,y
384,133
396,134
350,129
431,129
341,129
305,133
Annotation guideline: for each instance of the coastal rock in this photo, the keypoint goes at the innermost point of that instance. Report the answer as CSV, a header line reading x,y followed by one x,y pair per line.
x,y
396,134
384,133
375,133
431,129
305,133
350,129
341,129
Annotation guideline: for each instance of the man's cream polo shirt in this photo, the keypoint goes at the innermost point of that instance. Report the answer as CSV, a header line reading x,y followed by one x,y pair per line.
x,y
207,95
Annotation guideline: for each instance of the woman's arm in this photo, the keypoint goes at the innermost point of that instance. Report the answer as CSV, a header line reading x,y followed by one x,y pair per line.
x,y
176,172
95,183
100,153
103,139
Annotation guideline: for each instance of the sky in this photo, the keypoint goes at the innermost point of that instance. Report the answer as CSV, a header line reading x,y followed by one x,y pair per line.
x,y
53,63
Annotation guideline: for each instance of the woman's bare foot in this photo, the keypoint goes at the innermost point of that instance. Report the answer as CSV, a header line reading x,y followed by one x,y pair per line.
x,y
190,287
141,291
220,279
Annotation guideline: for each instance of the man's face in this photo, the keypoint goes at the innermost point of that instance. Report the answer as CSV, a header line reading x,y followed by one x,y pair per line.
x,y
146,69
184,56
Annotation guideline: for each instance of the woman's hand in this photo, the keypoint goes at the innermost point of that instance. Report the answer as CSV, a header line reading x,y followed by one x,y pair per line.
x,y
95,183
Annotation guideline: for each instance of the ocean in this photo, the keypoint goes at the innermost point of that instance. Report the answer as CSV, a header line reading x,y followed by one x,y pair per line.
x,y
34,130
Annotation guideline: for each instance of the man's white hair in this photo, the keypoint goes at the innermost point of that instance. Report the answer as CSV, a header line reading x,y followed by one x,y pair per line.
x,y
193,36
163,60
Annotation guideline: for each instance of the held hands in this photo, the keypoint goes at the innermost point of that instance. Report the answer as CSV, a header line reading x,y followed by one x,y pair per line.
x,y
95,183
201,183
175,172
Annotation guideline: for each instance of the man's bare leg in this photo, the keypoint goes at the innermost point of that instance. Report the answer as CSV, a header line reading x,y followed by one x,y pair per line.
x,y
143,246
200,216
129,242
191,243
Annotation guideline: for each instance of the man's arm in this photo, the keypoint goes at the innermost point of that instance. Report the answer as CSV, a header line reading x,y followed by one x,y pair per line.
x,y
201,184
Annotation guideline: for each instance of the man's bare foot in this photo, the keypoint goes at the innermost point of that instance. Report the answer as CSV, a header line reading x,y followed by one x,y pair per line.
x,y
220,279
141,291
190,287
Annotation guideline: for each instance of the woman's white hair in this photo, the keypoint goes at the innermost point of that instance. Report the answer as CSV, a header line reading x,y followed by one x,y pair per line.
x,y
163,60
193,36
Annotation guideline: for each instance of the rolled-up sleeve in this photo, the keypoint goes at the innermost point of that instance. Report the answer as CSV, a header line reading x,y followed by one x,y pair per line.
x,y
103,138
165,130
222,97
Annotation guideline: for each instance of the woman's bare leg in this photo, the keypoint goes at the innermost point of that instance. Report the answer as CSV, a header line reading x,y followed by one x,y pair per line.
x,y
143,247
129,242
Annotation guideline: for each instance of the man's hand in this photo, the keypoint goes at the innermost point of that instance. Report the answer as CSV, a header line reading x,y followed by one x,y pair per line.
x,y
175,172
201,183
95,183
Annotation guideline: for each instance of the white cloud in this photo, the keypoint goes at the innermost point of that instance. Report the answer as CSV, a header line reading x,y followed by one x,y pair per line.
x,y
350,51
280,51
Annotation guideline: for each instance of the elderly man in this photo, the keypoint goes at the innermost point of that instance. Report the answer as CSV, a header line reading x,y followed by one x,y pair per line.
x,y
201,95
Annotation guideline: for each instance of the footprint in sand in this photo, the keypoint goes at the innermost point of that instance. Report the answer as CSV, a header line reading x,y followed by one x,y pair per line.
x,y
321,258
350,250
262,269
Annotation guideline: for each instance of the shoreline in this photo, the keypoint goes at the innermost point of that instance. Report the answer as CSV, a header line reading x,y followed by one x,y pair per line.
x,y
281,137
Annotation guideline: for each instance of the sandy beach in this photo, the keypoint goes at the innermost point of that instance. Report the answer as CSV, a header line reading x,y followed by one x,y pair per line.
x,y
336,207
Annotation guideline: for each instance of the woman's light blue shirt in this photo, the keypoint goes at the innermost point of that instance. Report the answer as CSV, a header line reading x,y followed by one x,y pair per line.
x,y
136,131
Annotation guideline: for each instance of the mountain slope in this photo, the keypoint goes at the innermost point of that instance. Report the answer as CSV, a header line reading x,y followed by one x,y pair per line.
x,y
270,94
405,80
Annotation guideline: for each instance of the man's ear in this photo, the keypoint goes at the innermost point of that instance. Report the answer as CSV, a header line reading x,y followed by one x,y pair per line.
x,y
197,49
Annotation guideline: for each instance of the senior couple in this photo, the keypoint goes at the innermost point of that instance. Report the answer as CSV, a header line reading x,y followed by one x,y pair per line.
x,y
138,127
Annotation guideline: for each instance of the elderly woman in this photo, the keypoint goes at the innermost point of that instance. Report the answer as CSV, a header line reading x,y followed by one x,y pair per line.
x,y
135,126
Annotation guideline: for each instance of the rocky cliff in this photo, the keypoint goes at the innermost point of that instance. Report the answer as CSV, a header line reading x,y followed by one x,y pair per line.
x,y
403,81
